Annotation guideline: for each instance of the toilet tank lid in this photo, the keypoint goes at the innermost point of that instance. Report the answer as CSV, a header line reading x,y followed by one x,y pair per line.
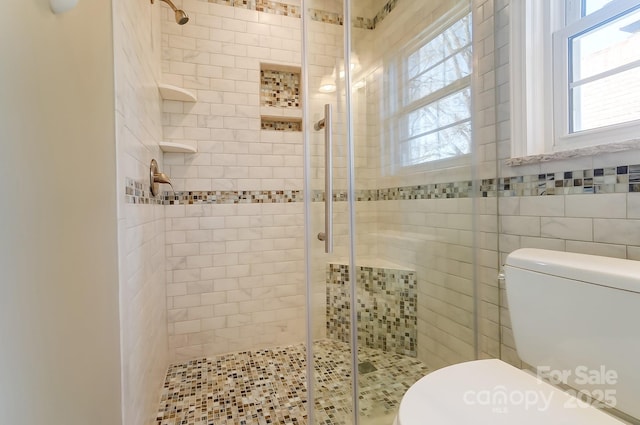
x,y
605,271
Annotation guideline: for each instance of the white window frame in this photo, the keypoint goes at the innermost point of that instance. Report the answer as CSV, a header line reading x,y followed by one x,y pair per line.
x,y
539,77
400,107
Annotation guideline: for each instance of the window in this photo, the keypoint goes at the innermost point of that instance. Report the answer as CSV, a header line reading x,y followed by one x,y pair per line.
x,y
432,118
575,74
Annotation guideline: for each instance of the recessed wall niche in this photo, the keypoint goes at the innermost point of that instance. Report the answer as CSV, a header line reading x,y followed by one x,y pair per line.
x,y
280,99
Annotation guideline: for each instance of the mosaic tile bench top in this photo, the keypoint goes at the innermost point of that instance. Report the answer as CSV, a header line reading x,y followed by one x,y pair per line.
x,y
387,308
268,386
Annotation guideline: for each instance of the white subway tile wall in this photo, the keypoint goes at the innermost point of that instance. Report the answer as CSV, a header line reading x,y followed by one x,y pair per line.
x,y
141,232
235,272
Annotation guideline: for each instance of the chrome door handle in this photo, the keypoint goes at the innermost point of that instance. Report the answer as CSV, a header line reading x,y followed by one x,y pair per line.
x,y
327,124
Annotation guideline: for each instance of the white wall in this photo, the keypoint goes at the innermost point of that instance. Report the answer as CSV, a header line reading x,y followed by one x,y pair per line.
x,y
59,333
141,227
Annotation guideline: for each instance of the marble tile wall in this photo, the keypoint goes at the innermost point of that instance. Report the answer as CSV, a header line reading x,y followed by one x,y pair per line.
x,y
141,233
235,269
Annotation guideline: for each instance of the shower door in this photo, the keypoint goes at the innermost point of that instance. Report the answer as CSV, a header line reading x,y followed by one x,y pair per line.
x,y
328,229
390,256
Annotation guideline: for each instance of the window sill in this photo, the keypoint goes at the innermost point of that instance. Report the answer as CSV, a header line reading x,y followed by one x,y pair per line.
x,y
574,153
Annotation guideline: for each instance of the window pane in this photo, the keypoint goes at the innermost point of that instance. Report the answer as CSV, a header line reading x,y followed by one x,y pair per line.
x,y
427,83
590,6
457,36
451,70
446,143
436,122
608,101
444,112
606,47
454,108
423,120
426,57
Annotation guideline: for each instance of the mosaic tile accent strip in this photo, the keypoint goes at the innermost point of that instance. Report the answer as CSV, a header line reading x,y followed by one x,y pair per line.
x,y
384,12
620,179
233,197
387,314
463,189
280,89
266,6
358,22
269,386
139,193
320,15
280,125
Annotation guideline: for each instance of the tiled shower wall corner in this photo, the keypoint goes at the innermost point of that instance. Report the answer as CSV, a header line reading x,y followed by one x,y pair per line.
x,y
235,271
606,224
141,232
387,305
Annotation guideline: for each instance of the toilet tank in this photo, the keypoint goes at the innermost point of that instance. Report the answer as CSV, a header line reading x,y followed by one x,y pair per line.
x,y
578,317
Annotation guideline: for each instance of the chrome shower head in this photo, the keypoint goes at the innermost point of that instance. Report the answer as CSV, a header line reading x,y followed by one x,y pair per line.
x,y
181,16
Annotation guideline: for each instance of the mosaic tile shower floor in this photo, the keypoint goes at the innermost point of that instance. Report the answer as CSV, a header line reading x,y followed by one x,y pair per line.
x,y
264,387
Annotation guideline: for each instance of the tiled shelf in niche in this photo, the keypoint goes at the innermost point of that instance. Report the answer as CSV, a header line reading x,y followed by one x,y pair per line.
x,y
280,101
281,124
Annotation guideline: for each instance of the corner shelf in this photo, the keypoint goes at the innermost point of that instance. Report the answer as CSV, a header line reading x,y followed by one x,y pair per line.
x,y
169,92
171,147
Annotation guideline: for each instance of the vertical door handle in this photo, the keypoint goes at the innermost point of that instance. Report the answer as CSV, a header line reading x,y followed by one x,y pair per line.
x,y
327,124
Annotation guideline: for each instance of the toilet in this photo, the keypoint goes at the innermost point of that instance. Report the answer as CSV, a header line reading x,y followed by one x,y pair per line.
x,y
576,318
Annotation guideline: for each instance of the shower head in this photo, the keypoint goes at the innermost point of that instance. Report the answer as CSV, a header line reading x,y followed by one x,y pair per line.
x,y
181,16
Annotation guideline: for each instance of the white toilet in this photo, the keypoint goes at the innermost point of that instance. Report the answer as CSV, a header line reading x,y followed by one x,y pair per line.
x,y
575,314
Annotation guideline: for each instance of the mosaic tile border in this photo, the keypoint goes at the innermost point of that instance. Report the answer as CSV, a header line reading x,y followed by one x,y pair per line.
x,y
618,179
233,197
320,15
266,6
139,193
462,189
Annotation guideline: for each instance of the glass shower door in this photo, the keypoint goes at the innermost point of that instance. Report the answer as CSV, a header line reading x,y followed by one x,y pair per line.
x,y
395,298
328,229
411,129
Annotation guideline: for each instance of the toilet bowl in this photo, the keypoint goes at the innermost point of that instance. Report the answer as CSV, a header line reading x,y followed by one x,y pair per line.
x,y
492,392
571,313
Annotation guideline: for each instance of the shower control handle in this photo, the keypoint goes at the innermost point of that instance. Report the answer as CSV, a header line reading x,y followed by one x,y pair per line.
x,y
322,236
